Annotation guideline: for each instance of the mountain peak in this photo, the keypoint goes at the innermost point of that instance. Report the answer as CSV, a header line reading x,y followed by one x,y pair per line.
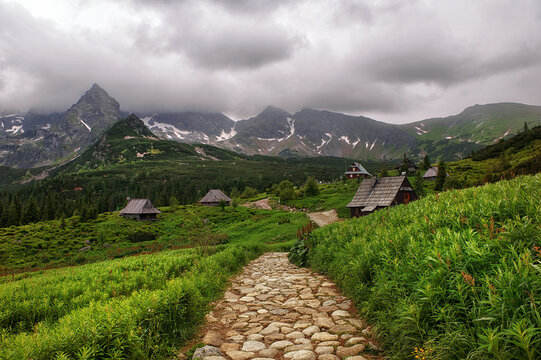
x,y
130,126
270,109
95,86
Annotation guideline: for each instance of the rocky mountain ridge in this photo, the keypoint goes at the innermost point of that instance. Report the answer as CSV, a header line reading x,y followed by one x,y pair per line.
x,y
36,139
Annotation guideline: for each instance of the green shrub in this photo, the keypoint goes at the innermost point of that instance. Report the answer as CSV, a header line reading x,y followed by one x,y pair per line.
x,y
141,235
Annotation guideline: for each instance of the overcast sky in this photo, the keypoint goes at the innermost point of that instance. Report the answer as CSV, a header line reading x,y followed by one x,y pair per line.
x,y
395,61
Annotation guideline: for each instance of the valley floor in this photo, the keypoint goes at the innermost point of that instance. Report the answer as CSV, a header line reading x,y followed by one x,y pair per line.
x,y
276,310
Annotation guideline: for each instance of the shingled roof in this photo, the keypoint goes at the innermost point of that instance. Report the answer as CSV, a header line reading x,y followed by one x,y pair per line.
x,y
377,192
362,170
432,172
139,206
214,196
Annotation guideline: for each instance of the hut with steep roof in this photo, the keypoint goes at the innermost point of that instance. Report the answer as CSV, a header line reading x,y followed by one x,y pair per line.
x,y
374,194
431,173
139,209
213,198
356,170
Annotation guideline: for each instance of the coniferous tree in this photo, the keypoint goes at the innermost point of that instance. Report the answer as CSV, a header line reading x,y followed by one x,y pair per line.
x,y
440,178
3,212
425,165
419,185
14,216
30,212
404,167
526,126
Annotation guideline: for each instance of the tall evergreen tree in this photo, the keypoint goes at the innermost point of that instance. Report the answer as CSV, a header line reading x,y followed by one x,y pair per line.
x,y
14,216
419,185
425,165
404,167
442,175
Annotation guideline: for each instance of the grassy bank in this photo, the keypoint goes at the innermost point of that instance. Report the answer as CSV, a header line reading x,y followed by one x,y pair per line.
x,y
457,274
148,322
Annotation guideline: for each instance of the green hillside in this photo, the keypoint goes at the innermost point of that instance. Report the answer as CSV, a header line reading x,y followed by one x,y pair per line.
x,y
131,308
477,126
518,155
57,243
456,274
482,124
128,161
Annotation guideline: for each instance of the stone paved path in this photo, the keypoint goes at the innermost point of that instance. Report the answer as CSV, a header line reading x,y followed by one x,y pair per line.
x,y
275,310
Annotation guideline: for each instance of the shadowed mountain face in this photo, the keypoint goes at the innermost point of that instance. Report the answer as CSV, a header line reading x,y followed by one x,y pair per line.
x,y
313,132
42,139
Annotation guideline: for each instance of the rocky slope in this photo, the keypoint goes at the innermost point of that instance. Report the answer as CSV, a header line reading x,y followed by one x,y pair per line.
x,y
35,139
41,139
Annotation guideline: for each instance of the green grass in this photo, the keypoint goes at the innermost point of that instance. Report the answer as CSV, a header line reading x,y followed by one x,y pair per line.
x,y
148,323
458,272
135,307
46,244
331,196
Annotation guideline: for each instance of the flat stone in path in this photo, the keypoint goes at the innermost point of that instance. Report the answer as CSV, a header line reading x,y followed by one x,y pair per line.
x,y
276,310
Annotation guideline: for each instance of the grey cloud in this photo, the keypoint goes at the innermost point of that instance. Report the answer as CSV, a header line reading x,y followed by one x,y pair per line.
x,y
388,58
219,42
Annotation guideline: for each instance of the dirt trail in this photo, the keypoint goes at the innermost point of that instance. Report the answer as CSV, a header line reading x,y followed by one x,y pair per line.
x,y
324,218
276,310
260,204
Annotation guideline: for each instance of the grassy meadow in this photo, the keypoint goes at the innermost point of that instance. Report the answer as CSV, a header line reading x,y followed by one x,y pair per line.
x,y
456,274
134,307
57,243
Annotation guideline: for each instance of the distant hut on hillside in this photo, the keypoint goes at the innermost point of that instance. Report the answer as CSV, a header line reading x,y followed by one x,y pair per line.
x,y
374,194
213,198
356,170
411,167
431,173
139,209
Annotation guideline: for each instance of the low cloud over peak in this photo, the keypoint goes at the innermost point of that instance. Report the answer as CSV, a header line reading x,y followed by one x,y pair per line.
x,y
392,60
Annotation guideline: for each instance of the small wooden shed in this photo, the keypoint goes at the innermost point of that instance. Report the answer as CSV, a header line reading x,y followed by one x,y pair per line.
x,y
213,198
356,170
139,209
374,194
431,173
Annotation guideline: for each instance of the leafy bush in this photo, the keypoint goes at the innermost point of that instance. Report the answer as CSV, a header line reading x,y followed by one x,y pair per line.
x,y
298,254
457,272
140,236
286,191
311,187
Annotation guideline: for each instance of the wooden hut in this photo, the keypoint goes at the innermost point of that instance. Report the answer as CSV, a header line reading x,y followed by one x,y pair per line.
x,y
139,209
356,170
374,194
213,198
431,173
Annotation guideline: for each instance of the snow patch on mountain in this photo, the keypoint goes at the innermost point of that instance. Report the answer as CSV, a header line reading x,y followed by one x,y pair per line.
x,y
15,129
85,124
167,129
349,142
291,123
227,135
324,142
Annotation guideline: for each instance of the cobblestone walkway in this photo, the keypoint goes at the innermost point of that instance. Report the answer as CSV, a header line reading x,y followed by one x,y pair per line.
x,y
275,310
